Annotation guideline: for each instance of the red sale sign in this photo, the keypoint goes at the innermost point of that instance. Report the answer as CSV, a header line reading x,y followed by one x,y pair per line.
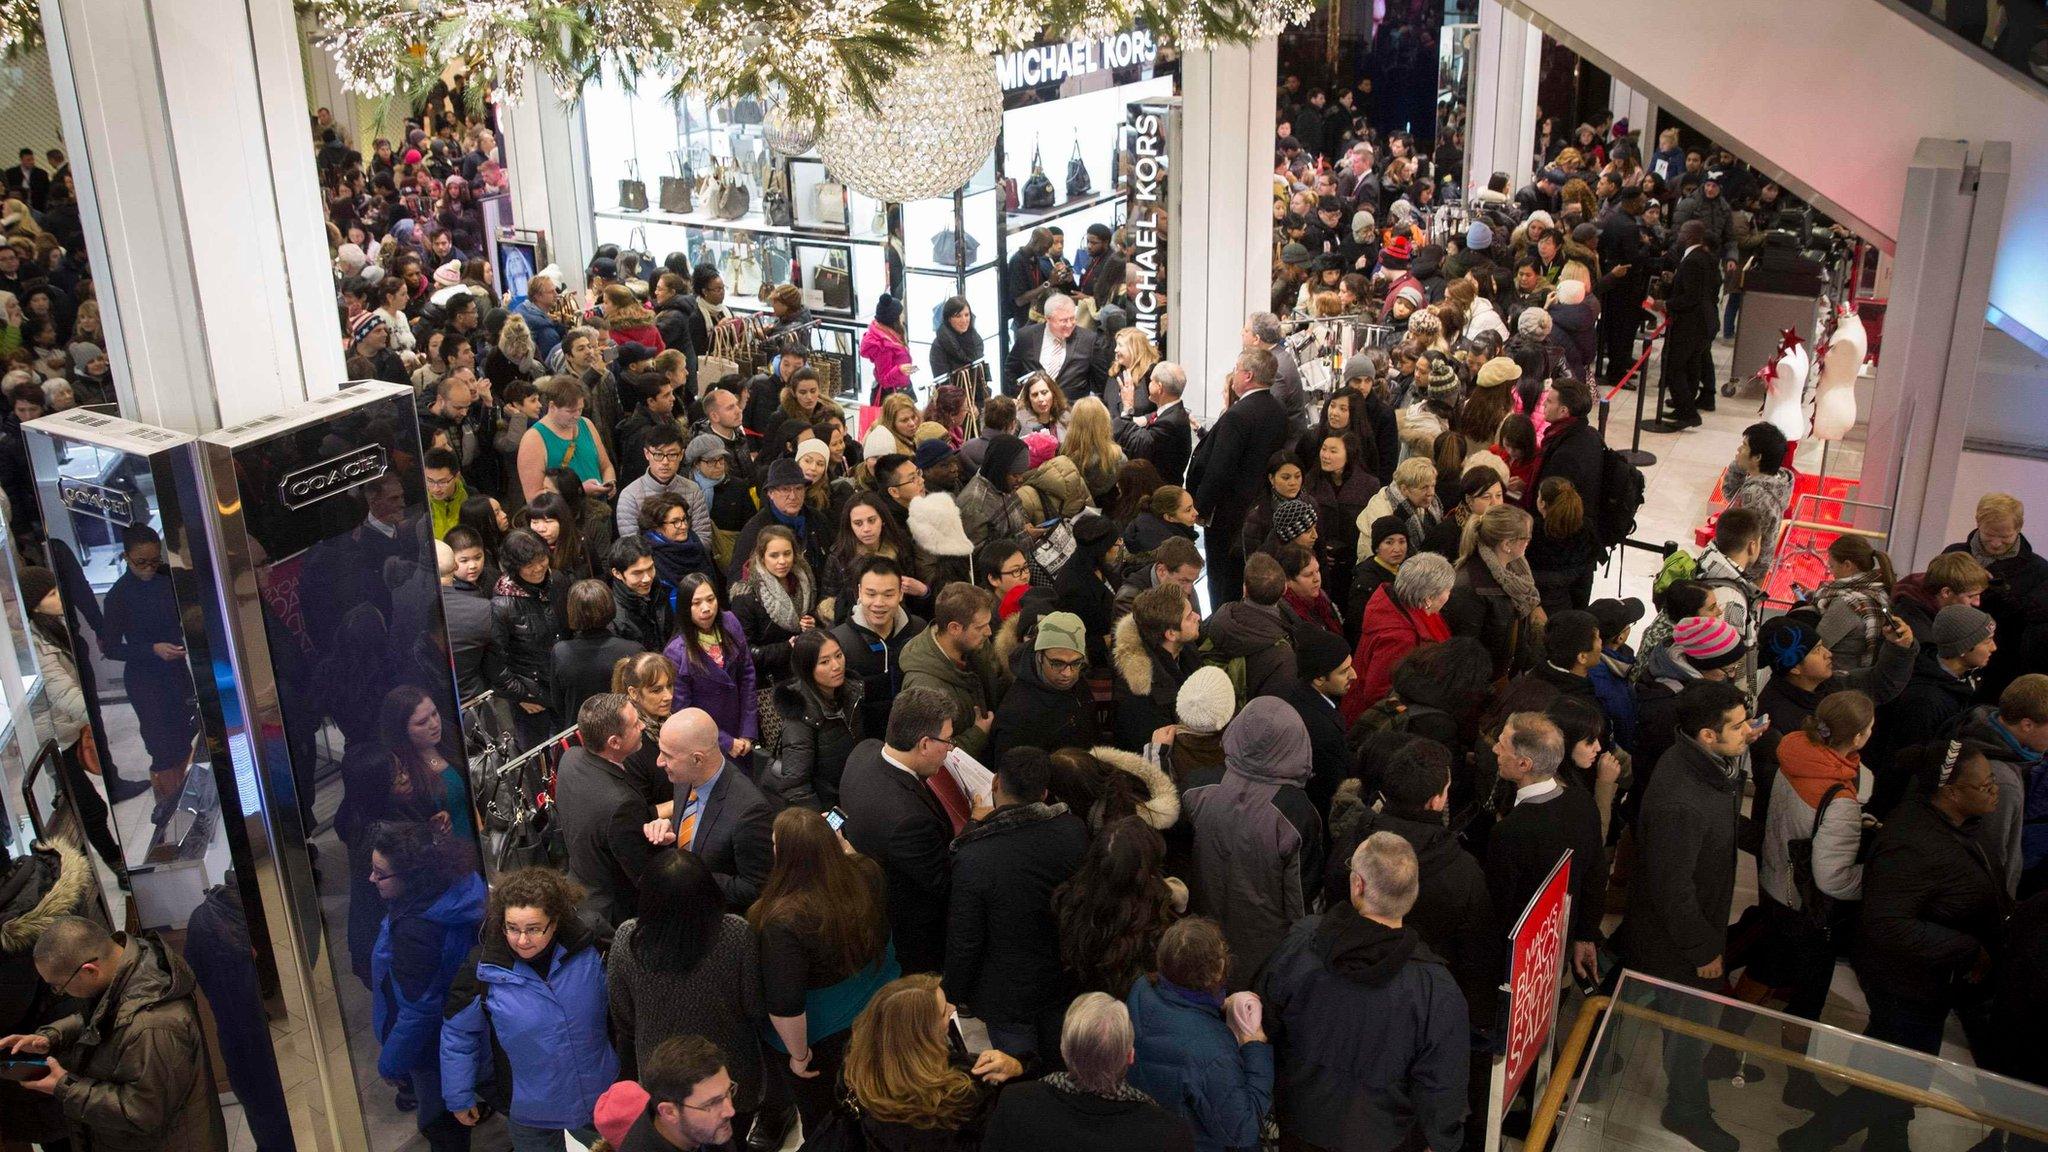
x,y
1536,951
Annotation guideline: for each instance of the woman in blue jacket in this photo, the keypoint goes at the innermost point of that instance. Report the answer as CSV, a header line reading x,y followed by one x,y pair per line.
x,y
1201,1057
435,900
527,1016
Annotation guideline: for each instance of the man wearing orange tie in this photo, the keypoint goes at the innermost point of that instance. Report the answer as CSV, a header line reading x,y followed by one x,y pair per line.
x,y
719,814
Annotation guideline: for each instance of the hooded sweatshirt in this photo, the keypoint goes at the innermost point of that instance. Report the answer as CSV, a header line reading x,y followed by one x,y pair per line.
x,y
1258,839
2015,836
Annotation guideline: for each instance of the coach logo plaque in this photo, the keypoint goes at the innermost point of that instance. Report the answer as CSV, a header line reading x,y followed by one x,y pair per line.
x,y
102,503
332,476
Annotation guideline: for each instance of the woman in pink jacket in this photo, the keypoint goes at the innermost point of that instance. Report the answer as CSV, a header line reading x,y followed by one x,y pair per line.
x,y
887,347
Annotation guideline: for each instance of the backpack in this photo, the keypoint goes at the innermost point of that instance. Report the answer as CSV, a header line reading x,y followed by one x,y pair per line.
x,y
1391,714
1680,565
1233,667
1621,497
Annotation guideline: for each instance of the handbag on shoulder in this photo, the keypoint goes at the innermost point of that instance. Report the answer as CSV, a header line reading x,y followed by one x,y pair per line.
x,y
675,190
955,250
1078,181
775,200
633,190
1038,191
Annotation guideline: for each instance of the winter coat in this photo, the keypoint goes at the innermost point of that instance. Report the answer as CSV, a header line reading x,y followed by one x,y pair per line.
x,y
2018,600
770,630
1054,488
524,628
581,667
1389,632
1574,328
935,525
1480,608
719,999
2015,836
1035,713
636,326
989,513
725,690
674,560
1573,449
1679,896
1453,912
812,539
1261,636
1188,1061
62,704
875,662
1371,1034
1528,842
1563,567
52,880
1258,840
1768,494
1033,1115
1931,901
1002,939
140,1076
647,621
1145,684
974,687
1837,844
884,349
816,740
420,947
1930,708
537,1044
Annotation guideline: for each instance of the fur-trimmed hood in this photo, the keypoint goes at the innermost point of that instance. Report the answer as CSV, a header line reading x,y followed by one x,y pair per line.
x,y
1128,653
64,884
1009,638
1160,812
934,522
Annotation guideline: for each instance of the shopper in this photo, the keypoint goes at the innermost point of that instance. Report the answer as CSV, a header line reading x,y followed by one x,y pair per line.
x,y
1495,598
1113,912
581,665
1201,1055
1243,438
1858,591
915,1090
601,807
64,707
715,666
1089,1106
1400,617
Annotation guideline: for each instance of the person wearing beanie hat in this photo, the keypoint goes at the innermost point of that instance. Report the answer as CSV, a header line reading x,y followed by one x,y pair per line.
x,y
1295,255
1258,839
1363,226
1206,702
1397,252
811,446
448,275
1325,673
1294,522
1498,371
1959,630
1442,381
931,450
1478,237
1943,687
1050,705
988,503
1797,650
1707,643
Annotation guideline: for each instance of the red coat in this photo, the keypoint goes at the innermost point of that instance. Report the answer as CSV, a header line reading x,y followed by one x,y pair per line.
x,y
644,334
1388,633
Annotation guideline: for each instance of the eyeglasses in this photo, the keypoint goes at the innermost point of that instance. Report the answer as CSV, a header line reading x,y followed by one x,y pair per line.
x,y
68,979
942,740
541,933
1059,665
712,1104
1016,570
377,877
668,457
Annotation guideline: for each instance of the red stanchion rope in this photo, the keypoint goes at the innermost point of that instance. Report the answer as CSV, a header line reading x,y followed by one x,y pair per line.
x,y
1637,366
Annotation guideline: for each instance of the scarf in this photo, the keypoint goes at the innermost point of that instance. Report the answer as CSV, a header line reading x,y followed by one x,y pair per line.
x,y
958,347
1213,1001
1123,1092
1417,519
1985,558
1515,579
1733,767
797,523
1811,768
778,603
705,484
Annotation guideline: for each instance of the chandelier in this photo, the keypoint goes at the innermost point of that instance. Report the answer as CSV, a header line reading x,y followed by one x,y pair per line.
x,y
933,125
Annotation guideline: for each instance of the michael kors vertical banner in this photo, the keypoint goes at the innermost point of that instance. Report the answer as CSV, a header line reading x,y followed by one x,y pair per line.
x,y
1151,145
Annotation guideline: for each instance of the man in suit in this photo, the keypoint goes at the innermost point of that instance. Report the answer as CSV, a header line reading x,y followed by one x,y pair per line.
x,y
1263,330
1061,349
1688,369
29,182
894,819
719,814
1161,434
1232,453
1625,279
600,807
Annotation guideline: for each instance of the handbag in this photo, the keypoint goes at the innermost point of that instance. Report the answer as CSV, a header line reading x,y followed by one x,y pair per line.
x,y
633,190
1010,201
1078,181
836,285
675,190
953,250
775,200
830,200
1038,188
731,200
745,269
720,363
746,110
1821,912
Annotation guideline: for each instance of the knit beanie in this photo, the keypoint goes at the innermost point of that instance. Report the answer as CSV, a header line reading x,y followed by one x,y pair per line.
x,y
83,353
1319,652
1707,643
1957,629
1784,641
928,430
448,275
1497,371
1206,701
1291,518
1061,630
1358,367
36,583
1479,237
1362,225
1412,295
1443,380
1006,456
813,447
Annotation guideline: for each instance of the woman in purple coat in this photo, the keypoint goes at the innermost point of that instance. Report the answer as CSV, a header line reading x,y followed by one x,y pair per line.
x,y
714,667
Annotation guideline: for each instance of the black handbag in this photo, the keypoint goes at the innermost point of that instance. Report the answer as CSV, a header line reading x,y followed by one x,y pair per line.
x,y
1822,913
1038,189
836,285
675,190
1078,181
633,190
954,251
775,200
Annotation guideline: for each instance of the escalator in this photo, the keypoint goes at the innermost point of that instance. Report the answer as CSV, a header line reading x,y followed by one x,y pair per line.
x,y
1831,98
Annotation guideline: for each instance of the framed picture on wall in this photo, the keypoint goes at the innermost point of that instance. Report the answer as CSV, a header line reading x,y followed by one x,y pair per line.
x,y
517,254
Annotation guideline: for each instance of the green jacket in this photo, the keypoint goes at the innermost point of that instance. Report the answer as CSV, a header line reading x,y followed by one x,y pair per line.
x,y
972,686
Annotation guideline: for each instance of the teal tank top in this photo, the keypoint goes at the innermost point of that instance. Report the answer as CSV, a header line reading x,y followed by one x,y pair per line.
x,y
579,454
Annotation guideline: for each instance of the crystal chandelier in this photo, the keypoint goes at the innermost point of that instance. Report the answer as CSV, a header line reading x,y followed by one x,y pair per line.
x,y
934,125
786,131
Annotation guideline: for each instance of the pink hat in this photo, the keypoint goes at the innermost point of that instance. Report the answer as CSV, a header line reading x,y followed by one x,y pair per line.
x,y
618,1109
412,155
1707,643
449,274
1043,446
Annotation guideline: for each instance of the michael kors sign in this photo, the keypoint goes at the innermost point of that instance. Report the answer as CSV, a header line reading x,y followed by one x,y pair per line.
x,y
329,477
102,503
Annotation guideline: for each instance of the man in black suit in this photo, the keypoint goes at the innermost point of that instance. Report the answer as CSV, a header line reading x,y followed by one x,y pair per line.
x,y
1061,349
29,182
718,813
1625,279
1161,433
1688,369
600,809
894,819
1227,463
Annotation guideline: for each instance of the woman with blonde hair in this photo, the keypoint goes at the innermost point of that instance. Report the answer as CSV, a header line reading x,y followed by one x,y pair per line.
x,y
894,429
1042,406
916,1091
1135,359
1495,598
1093,450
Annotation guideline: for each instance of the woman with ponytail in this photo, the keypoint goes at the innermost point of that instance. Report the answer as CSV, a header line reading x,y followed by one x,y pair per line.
x,y
1564,552
1860,590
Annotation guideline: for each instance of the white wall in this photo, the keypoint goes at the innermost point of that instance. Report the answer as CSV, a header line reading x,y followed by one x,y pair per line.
x,y
1837,93
1981,472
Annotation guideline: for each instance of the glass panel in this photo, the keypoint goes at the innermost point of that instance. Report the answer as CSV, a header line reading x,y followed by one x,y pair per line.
x,y
1654,1052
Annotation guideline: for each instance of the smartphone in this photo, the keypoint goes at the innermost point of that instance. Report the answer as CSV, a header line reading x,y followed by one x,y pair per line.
x,y
1048,523
22,1068
834,819
1761,724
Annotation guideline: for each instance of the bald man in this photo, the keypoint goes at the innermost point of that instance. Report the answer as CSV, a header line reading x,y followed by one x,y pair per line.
x,y
719,813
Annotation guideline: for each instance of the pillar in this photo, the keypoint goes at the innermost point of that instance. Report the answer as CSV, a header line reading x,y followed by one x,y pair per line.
x,y
190,143
1934,330
1225,230
1502,134
547,163
1639,110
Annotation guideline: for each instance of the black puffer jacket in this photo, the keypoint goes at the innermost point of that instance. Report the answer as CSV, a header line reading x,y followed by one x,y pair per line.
x,y
524,627
1930,903
645,620
1034,712
35,890
816,740
1481,609
1002,940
